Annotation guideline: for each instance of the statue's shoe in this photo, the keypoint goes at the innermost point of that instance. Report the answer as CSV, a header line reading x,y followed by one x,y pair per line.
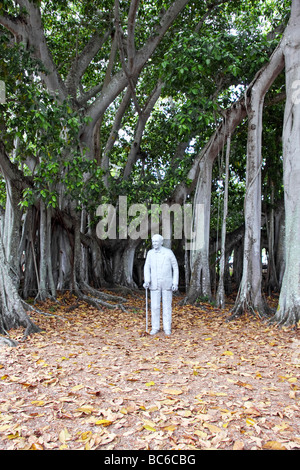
x,y
153,332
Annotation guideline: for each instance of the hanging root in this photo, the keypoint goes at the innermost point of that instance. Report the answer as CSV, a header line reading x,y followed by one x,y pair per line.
x,y
125,290
99,299
240,309
31,328
290,317
101,295
245,305
34,309
8,342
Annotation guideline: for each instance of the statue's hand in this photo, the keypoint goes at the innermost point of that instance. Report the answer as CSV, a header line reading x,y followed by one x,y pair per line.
x,y
174,288
146,285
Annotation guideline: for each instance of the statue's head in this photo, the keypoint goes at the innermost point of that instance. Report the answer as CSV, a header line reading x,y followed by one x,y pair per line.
x,y
157,241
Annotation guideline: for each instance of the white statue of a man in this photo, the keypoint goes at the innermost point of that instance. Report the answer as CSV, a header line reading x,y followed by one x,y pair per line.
x,y
161,277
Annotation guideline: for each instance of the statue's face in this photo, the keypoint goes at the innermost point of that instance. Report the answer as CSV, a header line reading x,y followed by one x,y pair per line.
x,y
156,243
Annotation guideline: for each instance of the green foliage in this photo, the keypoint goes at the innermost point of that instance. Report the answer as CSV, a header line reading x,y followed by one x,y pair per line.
x,y
206,60
69,25
2,194
42,135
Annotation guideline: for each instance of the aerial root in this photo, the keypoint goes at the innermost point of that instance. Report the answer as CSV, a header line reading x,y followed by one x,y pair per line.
x,y
96,299
8,342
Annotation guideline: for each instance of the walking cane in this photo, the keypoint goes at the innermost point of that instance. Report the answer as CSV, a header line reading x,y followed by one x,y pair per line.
x,y
146,309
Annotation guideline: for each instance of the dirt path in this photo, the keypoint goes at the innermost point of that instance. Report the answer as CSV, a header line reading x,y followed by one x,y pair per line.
x,y
95,380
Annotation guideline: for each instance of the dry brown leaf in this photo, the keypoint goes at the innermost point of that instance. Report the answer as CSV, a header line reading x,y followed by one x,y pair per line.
x,y
88,362
243,384
36,446
274,445
64,436
238,445
87,409
212,428
172,391
103,422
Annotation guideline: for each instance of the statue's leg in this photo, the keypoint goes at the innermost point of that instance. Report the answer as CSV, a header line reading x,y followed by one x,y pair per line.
x,y
155,310
167,311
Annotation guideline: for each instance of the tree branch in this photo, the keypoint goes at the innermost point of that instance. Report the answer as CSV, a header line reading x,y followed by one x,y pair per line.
x,y
131,30
167,19
143,118
128,69
11,171
81,62
13,25
120,80
31,30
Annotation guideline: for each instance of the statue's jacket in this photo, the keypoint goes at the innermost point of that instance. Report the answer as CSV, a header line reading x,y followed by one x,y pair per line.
x,y
161,269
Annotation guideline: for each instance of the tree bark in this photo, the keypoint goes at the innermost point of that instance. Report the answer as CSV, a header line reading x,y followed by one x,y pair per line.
x,y
12,309
142,121
288,311
199,255
220,298
250,295
201,172
271,281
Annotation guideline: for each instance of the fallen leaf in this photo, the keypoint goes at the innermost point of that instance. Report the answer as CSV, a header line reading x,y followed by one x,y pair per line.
x,y
243,384
172,427
212,428
36,446
149,428
103,422
107,439
86,436
13,436
87,409
205,399
281,427
227,353
150,384
217,394
238,445
274,445
64,436
77,387
5,427
184,413
38,402
173,391
252,411
201,434
250,422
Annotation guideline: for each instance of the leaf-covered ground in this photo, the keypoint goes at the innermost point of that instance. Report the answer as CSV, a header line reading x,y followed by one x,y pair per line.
x,y
94,380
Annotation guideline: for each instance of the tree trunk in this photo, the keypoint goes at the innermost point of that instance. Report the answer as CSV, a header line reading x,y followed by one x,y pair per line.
x,y
12,309
127,262
238,262
250,296
279,244
288,312
201,172
12,224
42,292
220,299
199,256
271,281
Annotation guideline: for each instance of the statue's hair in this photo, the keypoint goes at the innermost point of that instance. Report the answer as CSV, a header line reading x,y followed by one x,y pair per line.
x,y
159,237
